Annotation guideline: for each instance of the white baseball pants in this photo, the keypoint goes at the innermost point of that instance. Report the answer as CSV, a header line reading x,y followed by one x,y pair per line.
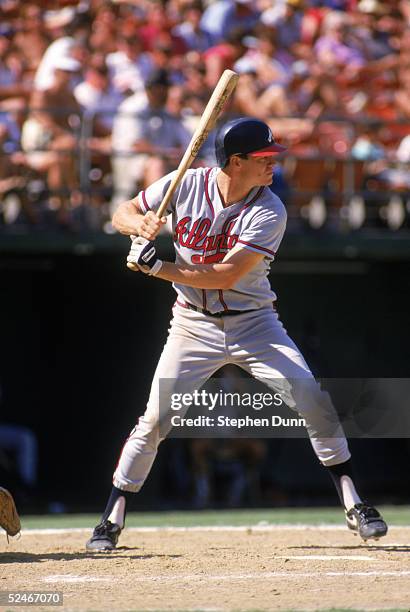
x,y
197,346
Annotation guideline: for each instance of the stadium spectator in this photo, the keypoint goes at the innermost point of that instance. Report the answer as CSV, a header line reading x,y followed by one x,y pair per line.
x,y
251,97
98,98
301,88
333,53
12,82
191,30
99,101
287,19
326,101
222,17
103,30
129,66
369,30
402,100
403,51
195,87
265,59
327,59
403,150
223,56
31,38
147,143
69,33
48,136
367,145
158,28
164,58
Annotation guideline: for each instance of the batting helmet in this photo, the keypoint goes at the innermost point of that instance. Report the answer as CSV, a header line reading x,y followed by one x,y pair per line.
x,y
243,136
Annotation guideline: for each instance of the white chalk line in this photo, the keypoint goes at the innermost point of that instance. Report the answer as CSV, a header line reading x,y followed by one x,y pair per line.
x,y
211,528
73,579
291,575
328,557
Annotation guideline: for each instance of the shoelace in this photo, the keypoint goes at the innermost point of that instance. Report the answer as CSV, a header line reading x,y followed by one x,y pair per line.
x,y
367,512
103,527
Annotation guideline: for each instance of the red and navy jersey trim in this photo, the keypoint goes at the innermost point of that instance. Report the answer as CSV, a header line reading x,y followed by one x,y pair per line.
x,y
207,196
231,220
251,201
257,247
144,202
221,299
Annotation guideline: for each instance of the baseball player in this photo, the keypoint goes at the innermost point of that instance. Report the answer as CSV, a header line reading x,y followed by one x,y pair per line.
x,y
9,518
228,226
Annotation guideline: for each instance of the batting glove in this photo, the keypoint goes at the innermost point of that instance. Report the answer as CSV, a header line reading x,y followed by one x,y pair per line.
x,y
144,255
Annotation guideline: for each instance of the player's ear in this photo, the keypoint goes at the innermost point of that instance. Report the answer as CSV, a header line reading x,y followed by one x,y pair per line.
x,y
235,161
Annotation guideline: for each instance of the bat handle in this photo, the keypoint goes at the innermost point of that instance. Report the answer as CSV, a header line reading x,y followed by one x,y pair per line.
x,y
130,265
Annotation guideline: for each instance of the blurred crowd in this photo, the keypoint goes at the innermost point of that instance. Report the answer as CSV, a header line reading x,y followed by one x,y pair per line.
x,y
100,97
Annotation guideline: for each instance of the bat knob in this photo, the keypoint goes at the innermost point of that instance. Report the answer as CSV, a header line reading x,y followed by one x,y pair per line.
x,y
133,267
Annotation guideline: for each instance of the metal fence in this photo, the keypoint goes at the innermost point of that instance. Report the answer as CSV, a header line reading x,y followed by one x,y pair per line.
x,y
337,174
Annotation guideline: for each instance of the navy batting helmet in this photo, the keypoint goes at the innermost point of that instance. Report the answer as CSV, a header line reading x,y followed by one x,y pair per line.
x,y
244,136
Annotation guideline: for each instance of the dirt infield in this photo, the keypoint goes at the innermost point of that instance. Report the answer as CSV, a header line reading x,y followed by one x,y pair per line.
x,y
214,569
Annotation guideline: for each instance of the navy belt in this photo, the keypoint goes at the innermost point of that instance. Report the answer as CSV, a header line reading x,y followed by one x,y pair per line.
x,y
221,313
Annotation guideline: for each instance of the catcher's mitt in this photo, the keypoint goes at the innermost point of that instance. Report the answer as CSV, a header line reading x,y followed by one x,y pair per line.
x,y
9,519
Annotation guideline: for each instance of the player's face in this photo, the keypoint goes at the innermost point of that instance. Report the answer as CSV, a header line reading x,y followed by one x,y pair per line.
x,y
260,169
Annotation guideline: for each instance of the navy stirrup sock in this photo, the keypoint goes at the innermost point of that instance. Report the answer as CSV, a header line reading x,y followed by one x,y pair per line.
x,y
115,494
336,472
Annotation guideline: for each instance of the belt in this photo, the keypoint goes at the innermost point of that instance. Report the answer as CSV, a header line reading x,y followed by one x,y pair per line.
x,y
221,313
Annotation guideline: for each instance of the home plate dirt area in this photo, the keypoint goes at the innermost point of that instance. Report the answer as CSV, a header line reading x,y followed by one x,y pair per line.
x,y
226,568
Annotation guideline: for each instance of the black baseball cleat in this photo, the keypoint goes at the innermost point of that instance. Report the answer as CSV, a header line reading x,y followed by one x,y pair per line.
x,y
366,521
104,538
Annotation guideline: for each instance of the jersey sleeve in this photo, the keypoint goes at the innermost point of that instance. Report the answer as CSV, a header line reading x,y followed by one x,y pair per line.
x,y
151,198
264,232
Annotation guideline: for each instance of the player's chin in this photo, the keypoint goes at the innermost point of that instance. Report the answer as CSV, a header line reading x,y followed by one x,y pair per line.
x,y
268,179
265,180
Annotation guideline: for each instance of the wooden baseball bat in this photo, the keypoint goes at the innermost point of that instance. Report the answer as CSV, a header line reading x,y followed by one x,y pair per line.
x,y
213,109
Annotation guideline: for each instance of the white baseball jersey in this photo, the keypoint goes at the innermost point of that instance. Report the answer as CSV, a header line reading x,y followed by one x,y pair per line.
x,y
204,231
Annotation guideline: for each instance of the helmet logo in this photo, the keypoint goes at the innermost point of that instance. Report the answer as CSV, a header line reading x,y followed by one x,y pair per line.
x,y
242,136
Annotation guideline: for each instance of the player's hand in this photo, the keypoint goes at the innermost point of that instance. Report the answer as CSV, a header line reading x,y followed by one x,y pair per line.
x,y
150,225
144,255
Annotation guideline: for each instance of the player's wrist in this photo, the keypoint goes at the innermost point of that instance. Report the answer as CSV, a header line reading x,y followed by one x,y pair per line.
x,y
155,268
143,254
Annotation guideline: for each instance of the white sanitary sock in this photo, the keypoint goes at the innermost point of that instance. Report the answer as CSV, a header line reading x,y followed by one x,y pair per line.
x,y
350,495
118,512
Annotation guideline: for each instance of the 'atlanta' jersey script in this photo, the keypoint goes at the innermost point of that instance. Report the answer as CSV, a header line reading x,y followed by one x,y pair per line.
x,y
204,231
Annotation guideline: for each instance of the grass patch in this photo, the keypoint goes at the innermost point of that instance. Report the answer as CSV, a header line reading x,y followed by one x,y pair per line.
x,y
395,515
